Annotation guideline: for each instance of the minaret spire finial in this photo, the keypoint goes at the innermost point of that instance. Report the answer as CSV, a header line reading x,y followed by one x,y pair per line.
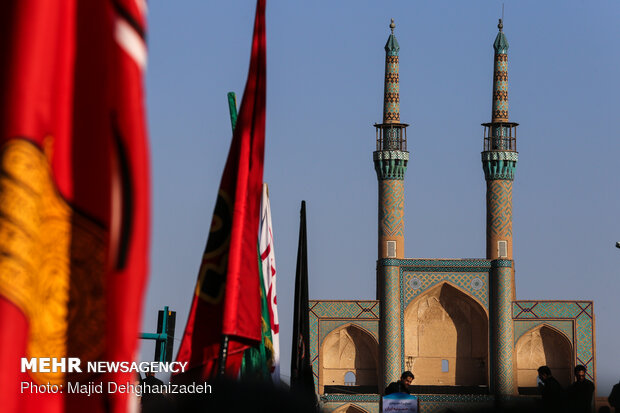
x,y
500,25
391,100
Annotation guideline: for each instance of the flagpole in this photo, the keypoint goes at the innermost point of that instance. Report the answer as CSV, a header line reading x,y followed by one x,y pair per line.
x,y
223,356
221,305
232,108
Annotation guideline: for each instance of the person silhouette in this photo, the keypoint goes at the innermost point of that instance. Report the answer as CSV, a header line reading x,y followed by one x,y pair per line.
x,y
580,392
402,385
550,390
614,398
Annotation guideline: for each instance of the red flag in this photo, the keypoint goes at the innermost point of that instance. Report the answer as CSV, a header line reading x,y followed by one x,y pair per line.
x,y
226,299
74,196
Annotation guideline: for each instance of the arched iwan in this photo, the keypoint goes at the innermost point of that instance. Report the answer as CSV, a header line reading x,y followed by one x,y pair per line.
x,y
445,327
348,349
350,408
544,345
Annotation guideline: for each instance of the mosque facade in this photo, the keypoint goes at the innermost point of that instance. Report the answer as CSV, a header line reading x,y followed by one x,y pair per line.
x,y
456,323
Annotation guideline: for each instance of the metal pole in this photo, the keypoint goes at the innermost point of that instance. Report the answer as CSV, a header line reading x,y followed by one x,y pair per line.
x,y
164,329
232,107
223,356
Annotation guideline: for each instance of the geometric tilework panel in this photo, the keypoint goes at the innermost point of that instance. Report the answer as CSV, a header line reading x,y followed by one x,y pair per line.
x,y
474,283
391,208
443,406
581,313
350,398
438,264
429,403
499,209
500,88
345,309
314,344
523,326
550,309
315,372
455,398
502,332
391,328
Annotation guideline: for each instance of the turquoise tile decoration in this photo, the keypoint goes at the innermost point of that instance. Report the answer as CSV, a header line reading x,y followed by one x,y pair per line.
x,y
329,315
580,313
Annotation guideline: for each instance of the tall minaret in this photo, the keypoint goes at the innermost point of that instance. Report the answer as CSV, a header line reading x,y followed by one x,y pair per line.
x,y
390,161
499,160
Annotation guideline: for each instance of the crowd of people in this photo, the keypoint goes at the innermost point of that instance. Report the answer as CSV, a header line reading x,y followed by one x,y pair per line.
x,y
576,398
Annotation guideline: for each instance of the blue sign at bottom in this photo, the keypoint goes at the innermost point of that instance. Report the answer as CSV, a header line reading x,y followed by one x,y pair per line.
x,y
400,402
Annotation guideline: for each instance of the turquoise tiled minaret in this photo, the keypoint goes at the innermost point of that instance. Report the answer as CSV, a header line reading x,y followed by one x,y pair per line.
x,y
499,160
390,161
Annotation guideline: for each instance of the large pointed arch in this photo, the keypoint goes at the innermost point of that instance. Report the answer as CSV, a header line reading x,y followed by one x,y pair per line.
x,y
350,408
544,345
446,338
348,349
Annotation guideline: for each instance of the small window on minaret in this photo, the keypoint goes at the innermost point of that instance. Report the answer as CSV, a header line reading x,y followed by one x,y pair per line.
x,y
445,364
391,249
502,249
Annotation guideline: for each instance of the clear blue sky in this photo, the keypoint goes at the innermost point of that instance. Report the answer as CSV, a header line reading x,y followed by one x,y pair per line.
x,y
325,63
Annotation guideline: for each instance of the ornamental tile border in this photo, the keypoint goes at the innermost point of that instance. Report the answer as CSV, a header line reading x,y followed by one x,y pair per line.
x,y
314,340
431,264
581,313
499,155
351,398
345,308
458,398
386,155
465,281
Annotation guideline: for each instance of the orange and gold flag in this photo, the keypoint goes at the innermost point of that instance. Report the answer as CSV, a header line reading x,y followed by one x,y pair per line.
x,y
74,196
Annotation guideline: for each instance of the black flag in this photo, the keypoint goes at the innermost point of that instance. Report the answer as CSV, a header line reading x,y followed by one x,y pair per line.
x,y
302,380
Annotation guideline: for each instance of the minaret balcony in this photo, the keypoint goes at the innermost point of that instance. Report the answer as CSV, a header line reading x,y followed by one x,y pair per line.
x,y
391,136
500,136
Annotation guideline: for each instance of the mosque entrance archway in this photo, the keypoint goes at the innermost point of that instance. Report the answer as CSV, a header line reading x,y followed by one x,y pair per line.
x,y
350,408
349,352
544,346
446,338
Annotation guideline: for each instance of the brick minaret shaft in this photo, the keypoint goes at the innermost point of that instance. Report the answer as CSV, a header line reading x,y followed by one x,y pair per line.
x,y
390,161
499,160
